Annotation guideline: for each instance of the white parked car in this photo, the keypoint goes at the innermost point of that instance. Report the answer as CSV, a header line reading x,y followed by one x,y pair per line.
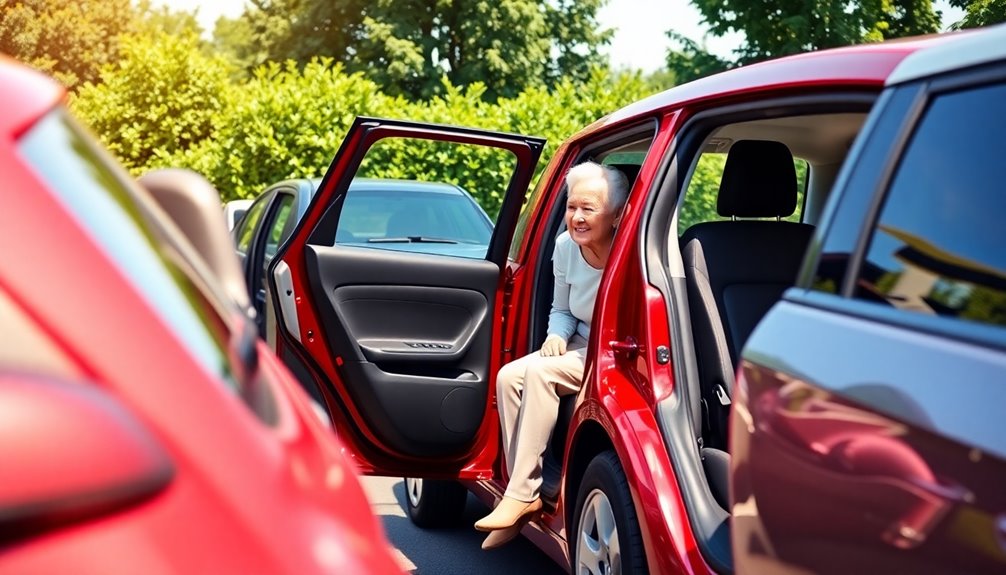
x,y
234,210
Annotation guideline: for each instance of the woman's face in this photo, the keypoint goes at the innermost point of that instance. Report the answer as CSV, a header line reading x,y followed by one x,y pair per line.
x,y
589,218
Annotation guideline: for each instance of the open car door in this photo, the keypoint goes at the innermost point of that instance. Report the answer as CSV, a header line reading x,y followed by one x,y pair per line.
x,y
389,292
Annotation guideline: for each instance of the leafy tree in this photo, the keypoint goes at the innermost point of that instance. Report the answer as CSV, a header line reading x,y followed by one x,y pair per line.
x,y
288,121
234,38
980,13
162,98
505,45
576,38
70,40
779,27
409,46
688,61
285,122
660,80
154,19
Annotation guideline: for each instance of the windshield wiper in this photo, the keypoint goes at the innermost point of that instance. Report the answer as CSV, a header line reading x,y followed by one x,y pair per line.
x,y
411,240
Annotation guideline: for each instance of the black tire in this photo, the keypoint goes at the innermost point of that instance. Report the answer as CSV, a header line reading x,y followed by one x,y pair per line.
x,y
604,481
432,503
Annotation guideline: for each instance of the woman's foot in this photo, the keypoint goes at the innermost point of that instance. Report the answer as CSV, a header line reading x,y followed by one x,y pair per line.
x,y
507,514
501,537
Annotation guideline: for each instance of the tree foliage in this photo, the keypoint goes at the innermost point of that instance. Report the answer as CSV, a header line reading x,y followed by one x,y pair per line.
x,y
688,61
155,19
69,40
776,28
162,98
169,104
980,13
576,38
409,46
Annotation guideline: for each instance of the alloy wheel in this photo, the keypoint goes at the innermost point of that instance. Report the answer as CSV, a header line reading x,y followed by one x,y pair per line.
x,y
414,489
598,552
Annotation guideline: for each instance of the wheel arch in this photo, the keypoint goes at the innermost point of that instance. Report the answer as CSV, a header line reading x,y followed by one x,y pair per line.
x,y
590,440
625,424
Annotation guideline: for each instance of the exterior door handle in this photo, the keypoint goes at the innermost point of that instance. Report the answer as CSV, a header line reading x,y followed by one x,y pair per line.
x,y
627,349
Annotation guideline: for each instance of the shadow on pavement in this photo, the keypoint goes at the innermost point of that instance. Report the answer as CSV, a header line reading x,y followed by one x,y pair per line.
x,y
457,551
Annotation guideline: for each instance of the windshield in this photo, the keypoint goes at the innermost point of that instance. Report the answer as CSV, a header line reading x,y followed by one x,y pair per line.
x,y
117,216
384,215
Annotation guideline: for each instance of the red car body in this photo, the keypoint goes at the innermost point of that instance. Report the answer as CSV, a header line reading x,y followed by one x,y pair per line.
x,y
124,451
635,370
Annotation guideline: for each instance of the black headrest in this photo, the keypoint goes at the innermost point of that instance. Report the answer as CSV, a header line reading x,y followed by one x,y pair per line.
x,y
759,181
630,171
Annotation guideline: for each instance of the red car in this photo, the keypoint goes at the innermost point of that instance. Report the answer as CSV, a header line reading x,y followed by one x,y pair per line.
x,y
404,347
145,429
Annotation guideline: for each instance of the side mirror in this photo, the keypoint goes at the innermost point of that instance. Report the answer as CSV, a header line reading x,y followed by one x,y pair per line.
x,y
194,206
70,452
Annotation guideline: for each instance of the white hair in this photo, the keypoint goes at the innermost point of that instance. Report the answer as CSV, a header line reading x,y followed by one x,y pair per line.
x,y
618,184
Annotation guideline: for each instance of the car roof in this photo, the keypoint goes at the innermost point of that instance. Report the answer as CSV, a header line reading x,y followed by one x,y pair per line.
x,y
850,66
972,49
26,95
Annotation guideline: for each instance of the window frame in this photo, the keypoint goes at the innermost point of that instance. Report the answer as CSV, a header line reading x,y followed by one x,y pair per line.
x,y
663,268
256,268
265,231
551,212
928,91
242,226
877,187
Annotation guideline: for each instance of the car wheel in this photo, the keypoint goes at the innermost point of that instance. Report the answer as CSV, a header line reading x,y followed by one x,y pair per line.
x,y
607,540
433,503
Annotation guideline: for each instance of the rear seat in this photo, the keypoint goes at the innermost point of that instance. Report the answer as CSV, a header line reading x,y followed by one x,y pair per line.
x,y
736,271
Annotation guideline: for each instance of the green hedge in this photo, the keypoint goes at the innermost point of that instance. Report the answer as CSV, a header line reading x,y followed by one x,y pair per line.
x,y
168,103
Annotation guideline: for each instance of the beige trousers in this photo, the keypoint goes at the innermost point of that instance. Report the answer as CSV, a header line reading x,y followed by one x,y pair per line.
x,y
527,393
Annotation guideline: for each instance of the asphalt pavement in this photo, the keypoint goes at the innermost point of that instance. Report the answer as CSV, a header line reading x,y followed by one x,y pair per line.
x,y
453,551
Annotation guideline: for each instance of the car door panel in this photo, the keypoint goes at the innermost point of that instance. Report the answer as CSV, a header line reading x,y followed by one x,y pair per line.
x,y
860,432
401,342
406,324
410,348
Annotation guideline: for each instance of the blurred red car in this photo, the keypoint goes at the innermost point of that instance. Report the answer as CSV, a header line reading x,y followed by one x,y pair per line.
x,y
143,427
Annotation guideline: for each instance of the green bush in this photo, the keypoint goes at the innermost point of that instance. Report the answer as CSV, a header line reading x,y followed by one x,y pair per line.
x,y
168,104
283,123
162,98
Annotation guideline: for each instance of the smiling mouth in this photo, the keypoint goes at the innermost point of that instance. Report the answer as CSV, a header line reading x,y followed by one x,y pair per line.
x,y
581,230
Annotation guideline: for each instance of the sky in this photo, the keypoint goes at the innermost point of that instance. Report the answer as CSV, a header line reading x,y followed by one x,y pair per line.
x,y
640,26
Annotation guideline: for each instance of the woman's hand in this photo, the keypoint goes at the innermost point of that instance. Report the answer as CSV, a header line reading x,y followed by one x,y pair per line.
x,y
554,346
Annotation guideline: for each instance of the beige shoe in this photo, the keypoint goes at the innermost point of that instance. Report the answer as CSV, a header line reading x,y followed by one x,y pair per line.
x,y
501,537
507,514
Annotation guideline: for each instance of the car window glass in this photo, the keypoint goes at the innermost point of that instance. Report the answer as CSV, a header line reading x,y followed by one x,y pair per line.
x,y
237,215
247,231
276,227
937,247
704,187
115,215
442,209
856,182
531,199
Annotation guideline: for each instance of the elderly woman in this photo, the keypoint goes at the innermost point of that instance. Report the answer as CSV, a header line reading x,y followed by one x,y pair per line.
x,y
528,389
